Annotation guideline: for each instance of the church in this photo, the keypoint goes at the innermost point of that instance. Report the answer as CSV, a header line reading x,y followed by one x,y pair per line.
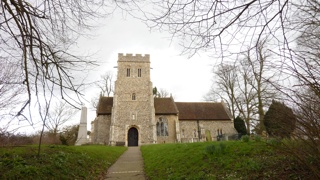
x,y
134,117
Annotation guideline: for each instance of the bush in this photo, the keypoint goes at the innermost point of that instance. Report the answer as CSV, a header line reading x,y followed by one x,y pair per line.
x,y
245,138
273,141
10,139
63,140
279,120
257,138
240,126
69,135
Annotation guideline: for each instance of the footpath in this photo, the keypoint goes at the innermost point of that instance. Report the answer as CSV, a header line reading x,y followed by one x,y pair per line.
x,y
128,166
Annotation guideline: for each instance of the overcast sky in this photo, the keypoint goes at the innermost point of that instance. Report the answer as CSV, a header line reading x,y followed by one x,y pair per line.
x,y
187,79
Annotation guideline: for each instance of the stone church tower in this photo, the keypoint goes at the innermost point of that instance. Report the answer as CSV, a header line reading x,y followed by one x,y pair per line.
x,y
133,114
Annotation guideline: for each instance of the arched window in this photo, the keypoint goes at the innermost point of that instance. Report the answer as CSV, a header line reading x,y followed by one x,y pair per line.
x,y
162,127
133,96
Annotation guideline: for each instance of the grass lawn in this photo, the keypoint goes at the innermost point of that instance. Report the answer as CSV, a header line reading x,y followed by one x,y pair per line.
x,y
57,162
217,160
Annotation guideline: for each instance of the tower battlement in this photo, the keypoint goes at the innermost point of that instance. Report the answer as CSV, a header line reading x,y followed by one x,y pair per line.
x,y
133,58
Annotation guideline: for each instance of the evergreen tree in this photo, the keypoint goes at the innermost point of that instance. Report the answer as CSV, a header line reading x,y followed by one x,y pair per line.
x,y
155,91
240,126
279,120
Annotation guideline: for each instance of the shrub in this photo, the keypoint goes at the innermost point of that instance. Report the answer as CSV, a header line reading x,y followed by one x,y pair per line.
x,y
279,120
69,135
10,139
257,138
245,138
63,140
240,126
273,141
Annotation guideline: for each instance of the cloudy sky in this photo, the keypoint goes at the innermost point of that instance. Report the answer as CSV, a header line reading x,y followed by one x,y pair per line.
x,y
187,79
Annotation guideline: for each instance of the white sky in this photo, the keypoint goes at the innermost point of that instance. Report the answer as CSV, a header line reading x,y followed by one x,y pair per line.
x,y
187,79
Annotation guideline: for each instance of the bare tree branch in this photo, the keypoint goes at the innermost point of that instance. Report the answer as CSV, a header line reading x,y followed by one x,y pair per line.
x,y
36,36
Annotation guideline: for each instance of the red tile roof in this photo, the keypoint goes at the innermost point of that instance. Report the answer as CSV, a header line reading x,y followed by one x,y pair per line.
x,y
185,110
202,111
165,106
105,106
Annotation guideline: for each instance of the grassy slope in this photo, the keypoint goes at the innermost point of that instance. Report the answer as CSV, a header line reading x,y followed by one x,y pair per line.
x,y
231,160
57,162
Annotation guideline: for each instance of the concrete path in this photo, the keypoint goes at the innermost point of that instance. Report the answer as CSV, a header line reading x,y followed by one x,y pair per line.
x,y
128,166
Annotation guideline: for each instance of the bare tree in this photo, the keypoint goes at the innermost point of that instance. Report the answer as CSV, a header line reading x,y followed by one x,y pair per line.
x,y
224,86
308,113
10,89
36,36
162,93
246,97
106,86
263,80
233,84
11,93
59,115
203,25
245,86
305,96
307,109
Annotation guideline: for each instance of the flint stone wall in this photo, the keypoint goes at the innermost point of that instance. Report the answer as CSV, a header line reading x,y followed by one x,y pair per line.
x,y
189,129
100,129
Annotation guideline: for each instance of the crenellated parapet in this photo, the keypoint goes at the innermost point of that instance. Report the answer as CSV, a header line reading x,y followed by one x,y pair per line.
x,y
133,57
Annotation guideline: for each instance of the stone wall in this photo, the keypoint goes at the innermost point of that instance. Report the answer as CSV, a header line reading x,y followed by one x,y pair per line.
x,y
172,134
100,129
189,129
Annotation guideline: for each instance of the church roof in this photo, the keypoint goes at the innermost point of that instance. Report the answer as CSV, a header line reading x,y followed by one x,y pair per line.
x,y
165,106
202,111
186,110
105,106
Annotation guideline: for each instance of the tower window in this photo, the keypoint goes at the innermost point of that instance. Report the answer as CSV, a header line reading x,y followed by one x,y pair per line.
x,y
133,96
139,72
128,72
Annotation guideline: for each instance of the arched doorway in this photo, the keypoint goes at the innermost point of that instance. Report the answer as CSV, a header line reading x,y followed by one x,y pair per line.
x,y
133,137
